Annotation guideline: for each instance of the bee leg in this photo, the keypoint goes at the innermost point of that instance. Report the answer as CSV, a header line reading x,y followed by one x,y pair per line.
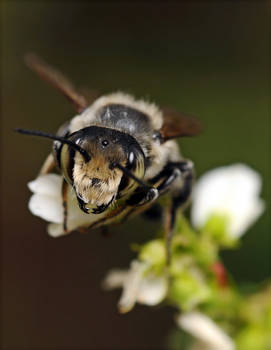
x,y
179,200
64,191
48,165
170,173
183,195
173,170
143,196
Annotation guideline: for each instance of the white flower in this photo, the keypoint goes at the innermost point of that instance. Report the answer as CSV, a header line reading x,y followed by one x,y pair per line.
x,y
231,191
46,202
138,285
208,334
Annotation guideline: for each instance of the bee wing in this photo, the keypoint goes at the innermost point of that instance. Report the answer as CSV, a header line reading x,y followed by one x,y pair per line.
x,y
57,80
90,94
178,125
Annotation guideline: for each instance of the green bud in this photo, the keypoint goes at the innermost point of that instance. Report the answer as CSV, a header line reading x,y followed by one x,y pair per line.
x,y
216,228
187,291
252,338
154,252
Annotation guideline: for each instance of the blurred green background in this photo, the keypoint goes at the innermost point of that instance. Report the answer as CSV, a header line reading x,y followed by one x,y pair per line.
x,y
209,59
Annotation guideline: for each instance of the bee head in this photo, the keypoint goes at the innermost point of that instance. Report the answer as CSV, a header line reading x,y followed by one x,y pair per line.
x,y
106,174
101,164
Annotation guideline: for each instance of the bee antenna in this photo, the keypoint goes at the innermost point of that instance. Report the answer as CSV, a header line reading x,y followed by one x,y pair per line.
x,y
73,145
130,174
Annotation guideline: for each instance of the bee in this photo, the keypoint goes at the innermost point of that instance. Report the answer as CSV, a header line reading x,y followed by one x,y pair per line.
x,y
117,155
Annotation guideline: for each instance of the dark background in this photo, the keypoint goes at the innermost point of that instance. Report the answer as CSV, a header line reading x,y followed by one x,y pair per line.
x,y
210,59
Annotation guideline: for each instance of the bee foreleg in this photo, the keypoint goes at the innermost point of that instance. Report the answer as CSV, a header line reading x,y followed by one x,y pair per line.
x,y
179,199
168,175
48,165
143,196
65,204
171,176
173,170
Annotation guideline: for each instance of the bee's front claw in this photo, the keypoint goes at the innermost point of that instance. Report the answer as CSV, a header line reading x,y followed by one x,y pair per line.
x,y
150,196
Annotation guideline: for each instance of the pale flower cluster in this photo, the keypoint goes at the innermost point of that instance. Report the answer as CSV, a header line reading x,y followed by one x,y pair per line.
x,y
209,336
138,285
231,192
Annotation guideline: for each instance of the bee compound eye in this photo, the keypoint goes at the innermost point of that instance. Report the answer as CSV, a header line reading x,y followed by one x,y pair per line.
x,y
67,162
135,162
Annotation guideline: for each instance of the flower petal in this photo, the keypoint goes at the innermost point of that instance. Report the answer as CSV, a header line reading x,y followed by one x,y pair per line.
x,y
47,207
115,279
56,230
246,218
49,184
131,286
203,328
47,203
231,191
152,290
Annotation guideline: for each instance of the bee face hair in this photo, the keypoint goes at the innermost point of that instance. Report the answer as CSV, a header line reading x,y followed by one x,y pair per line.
x,y
115,168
